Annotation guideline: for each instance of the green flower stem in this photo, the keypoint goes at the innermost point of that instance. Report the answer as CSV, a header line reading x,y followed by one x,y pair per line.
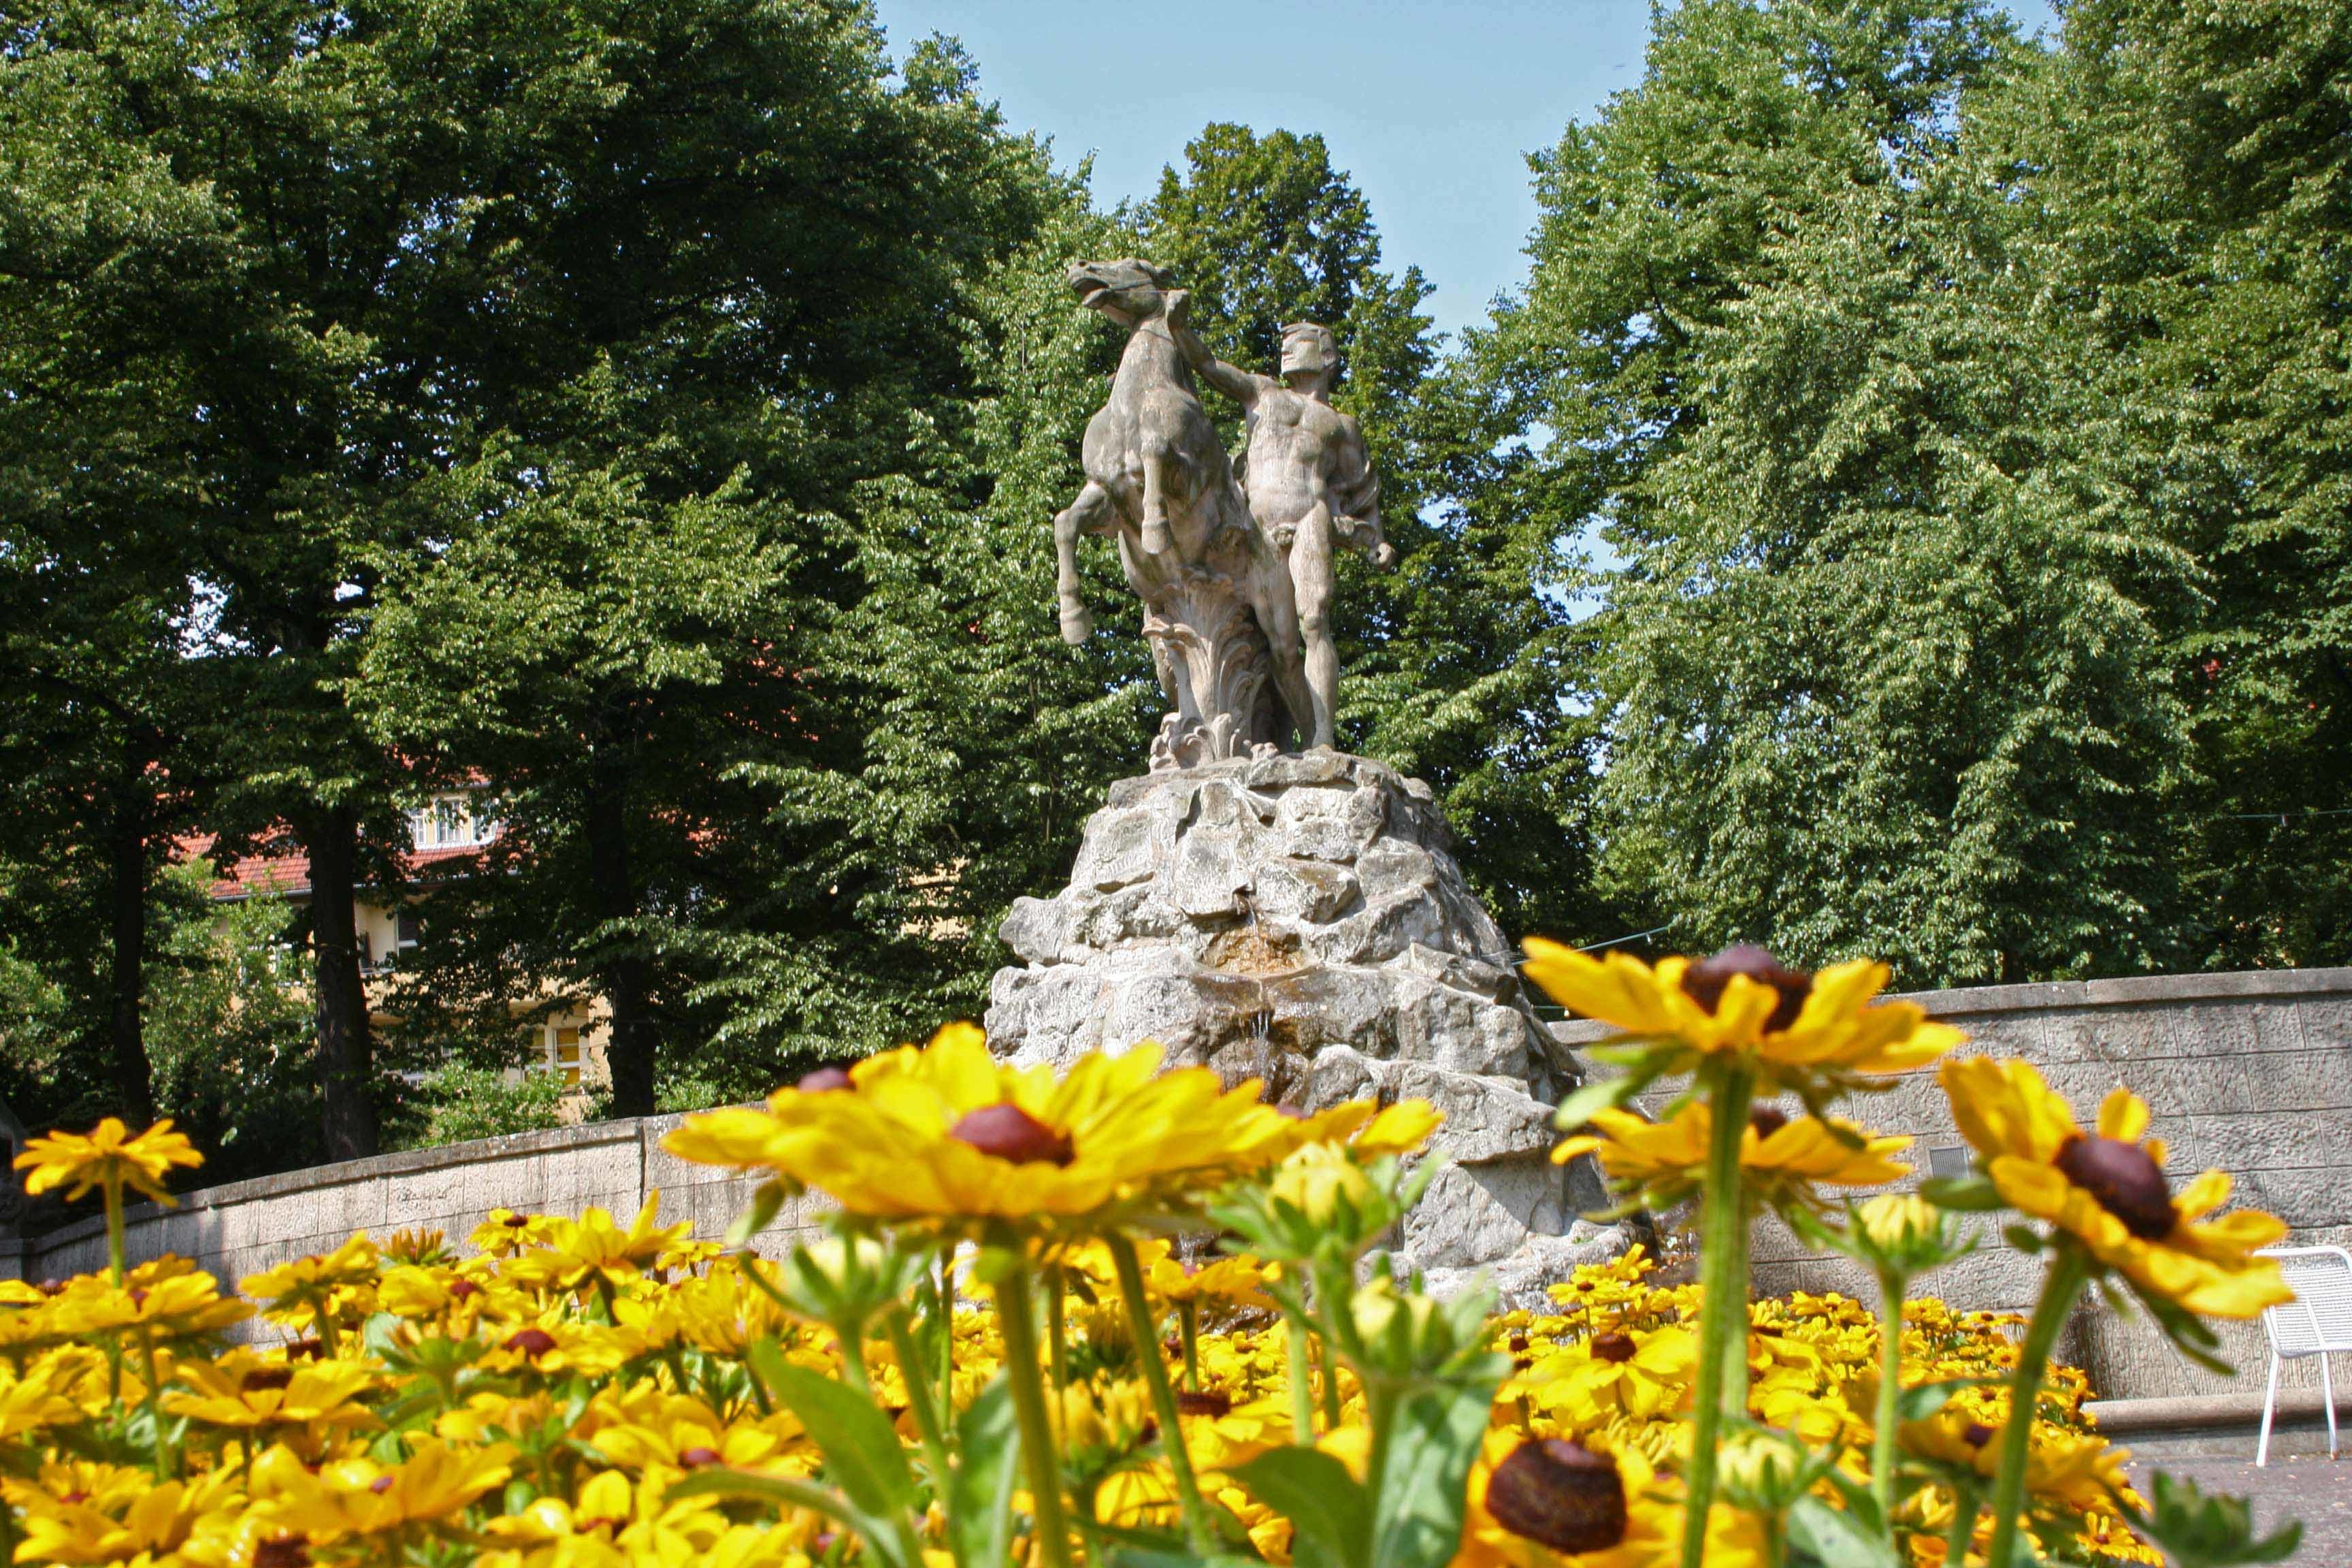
x,y
1016,1318
851,1337
165,1461
1163,1396
114,1247
918,1396
1890,1392
1188,1329
2070,1270
1963,1530
1302,1381
1723,1305
1057,1333
1329,1368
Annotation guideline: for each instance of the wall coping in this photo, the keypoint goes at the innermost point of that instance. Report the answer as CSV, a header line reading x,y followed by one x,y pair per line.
x,y
348,1172
2240,985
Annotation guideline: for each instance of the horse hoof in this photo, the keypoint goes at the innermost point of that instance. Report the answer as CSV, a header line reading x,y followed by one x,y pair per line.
x,y
1077,624
1157,540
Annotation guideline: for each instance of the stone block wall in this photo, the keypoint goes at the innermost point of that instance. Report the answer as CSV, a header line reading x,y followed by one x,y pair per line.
x,y
247,1226
2249,1072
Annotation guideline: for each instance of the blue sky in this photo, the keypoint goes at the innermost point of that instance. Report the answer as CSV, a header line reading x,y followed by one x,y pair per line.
x,y
1428,106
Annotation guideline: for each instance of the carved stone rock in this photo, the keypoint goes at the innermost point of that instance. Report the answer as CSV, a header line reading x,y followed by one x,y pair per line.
x,y
1301,920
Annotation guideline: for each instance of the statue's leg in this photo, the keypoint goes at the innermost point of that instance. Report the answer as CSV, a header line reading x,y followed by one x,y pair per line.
x,y
1272,598
1092,506
1311,583
1160,666
1157,538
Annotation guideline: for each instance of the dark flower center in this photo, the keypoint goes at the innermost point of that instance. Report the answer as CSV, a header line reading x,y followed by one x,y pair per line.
x,y
380,1485
464,1290
1561,1494
1703,982
2125,1180
1976,1435
266,1377
696,1458
1009,1132
282,1552
1614,1346
531,1342
1207,1401
1767,1120
823,1080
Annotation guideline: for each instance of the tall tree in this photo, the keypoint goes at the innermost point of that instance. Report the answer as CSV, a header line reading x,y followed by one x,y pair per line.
x,y
2192,171
1883,663
732,271
105,252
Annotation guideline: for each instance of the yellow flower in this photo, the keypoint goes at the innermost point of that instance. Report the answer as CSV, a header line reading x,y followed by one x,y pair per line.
x,y
1551,1503
1795,1030
1318,1179
1781,1160
306,1282
240,1392
2074,1471
2107,1189
107,1158
593,1249
360,1497
152,1522
948,1135
1643,1374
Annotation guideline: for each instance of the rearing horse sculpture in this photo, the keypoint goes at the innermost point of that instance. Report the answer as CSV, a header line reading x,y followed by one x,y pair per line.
x,y
1219,605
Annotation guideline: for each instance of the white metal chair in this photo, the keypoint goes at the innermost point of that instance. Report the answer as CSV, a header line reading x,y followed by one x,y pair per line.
x,y
2316,1322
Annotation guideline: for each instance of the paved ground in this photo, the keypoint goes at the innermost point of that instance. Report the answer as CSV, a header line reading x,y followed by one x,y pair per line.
x,y
2314,1490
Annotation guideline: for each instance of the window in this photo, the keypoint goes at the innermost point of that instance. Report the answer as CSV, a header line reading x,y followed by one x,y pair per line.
x,y
367,950
403,930
567,1056
449,822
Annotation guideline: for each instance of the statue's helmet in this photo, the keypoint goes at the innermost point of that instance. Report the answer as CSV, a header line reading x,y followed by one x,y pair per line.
x,y
1310,347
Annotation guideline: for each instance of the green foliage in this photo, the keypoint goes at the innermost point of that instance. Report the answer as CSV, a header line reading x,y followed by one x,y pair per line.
x,y
458,1103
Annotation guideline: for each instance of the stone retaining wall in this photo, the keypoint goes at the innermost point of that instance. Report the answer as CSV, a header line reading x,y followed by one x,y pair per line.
x,y
247,1226
2249,1072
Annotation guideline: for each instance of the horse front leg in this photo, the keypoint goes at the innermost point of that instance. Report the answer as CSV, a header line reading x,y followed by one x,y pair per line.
x,y
1092,506
1158,539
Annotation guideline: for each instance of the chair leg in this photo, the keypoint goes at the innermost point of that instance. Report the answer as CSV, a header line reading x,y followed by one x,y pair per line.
x,y
2270,1399
2327,1398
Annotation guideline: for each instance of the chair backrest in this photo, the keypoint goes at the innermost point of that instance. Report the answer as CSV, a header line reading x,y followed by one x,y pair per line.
x,y
2319,1319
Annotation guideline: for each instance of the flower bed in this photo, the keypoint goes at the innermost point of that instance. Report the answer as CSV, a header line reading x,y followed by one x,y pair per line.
x,y
1129,1316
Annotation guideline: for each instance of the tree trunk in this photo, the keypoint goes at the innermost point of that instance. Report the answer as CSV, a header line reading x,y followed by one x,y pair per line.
x,y
346,1056
629,1050
134,1083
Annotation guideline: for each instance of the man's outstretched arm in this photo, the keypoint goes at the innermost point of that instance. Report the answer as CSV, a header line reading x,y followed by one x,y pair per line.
x,y
1231,380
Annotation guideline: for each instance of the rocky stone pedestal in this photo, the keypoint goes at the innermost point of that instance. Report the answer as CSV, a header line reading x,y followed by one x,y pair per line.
x,y
1301,920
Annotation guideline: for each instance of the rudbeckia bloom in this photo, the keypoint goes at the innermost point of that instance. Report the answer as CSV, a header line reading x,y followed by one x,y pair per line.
x,y
949,1135
1782,1161
107,1157
1808,1033
1557,1504
2107,1189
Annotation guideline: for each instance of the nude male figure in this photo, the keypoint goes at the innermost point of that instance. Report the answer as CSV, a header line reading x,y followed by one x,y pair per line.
x,y
1309,479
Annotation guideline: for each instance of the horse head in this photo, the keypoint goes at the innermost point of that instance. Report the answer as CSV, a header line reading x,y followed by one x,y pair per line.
x,y
1129,291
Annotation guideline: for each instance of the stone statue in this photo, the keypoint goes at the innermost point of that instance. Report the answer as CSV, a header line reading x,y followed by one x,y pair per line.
x,y
1218,602
1307,478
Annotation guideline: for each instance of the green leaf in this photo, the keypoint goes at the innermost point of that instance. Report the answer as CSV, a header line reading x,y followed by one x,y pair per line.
x,y
2201,1531
765,1203
979,1494
1423,1475
1315,1492
1833,1540
1606,1095
1968,1195
862,1451
1923,1400
2023,1238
